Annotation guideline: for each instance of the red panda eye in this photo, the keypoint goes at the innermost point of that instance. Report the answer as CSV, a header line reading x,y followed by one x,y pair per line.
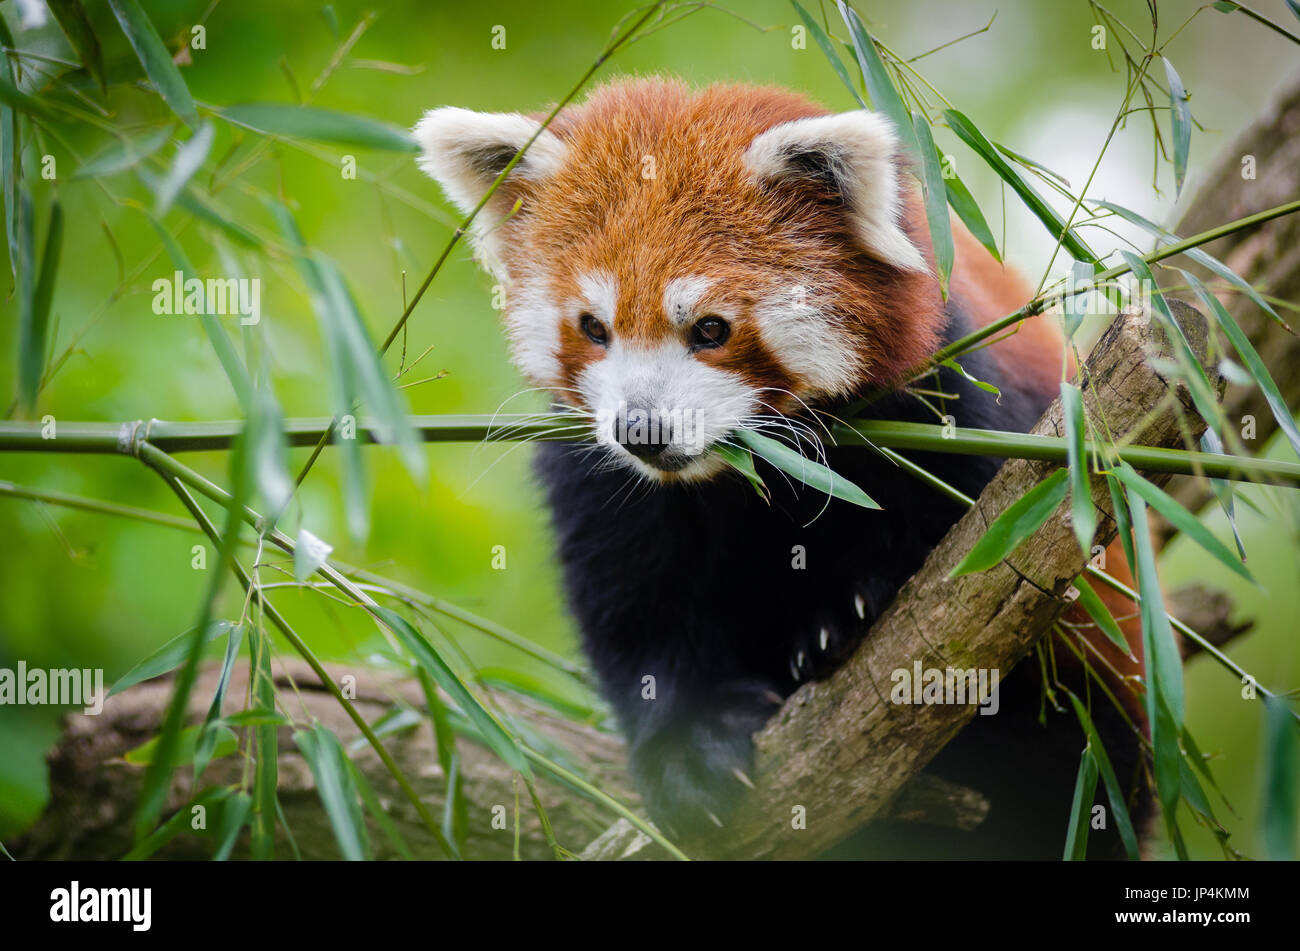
x,y
594,329
710,332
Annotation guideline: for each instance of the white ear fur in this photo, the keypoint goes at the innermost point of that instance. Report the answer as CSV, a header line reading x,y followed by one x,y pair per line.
x,y
464,151
859,150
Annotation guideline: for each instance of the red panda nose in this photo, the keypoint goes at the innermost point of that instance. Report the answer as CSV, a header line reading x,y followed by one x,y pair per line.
x,y
641,434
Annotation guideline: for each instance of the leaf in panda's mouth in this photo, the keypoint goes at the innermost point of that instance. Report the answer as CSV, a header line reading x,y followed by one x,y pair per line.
x,y
796,464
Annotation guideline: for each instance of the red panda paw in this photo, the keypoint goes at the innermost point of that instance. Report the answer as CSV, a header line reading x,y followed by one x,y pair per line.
x,y
692,769
819,650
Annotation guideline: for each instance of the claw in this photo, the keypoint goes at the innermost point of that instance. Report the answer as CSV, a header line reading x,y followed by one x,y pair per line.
x,y
794,671
799,659
825,639
860,606
740,775
774,698
716,821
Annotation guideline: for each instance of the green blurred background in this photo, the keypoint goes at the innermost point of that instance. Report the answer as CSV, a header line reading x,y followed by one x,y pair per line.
x,y
86,590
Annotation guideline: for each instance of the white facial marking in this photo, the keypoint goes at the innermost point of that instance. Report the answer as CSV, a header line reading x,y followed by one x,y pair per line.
x,y
682,296
702,402
532,322
807,341
599,296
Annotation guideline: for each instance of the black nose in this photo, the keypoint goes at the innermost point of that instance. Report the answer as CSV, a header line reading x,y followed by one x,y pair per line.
x,y
641,434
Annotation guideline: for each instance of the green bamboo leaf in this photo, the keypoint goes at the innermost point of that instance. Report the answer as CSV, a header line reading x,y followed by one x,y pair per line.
x,y
1082,514
146,754
1027,162
189,200
1188,365
1200,256
828,49
376,809
34,319
1222,489
742,460
973,137
155,59
11,169
1180,518
1020,520
168,657
1226,6
337,790
884,97
190,157
535,688
1180,116
493,733
1085,789
1119,511
15,98
257,716
1280,821
1164,668
207,740
1091,602
968,210
320,125
234,816
455,812
936,202
810,473
1258,371
72,20
309,553
1293,6
178,822
952,364
1114,791
265,750
123,155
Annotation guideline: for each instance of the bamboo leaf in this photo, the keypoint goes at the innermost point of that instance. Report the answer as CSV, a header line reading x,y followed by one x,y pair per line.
x,y
1114,791
493,733
123,155
968,133
257,716
810,473
320,125
207,740
1200,256
1180,518
337,790
146,754
11,168
266,750
1258,370
234,815
1119,511
1280,821
1083,516
34,320
1085,789
376,809
936,203
1180,117
952,364
309,553
168,657
190,157
1092,603
179,822
1223,490
742,460
968,210
828,49
74,23
884,97
1020,520
15,98
155,59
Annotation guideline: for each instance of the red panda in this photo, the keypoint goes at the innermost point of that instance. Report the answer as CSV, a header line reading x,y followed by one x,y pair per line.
x,y
680,264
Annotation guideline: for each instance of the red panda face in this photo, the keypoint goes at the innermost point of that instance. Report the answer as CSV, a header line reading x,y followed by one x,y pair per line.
x,y
681,265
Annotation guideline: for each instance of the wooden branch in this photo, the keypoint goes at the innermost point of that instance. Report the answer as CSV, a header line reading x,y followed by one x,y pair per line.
x,y
1268,256
838,748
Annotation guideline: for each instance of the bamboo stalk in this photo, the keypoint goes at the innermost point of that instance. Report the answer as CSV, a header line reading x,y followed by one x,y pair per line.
x,y
168,437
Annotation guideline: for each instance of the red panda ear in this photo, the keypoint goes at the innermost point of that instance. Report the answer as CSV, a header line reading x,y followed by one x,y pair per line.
x,y
465,151
856,154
